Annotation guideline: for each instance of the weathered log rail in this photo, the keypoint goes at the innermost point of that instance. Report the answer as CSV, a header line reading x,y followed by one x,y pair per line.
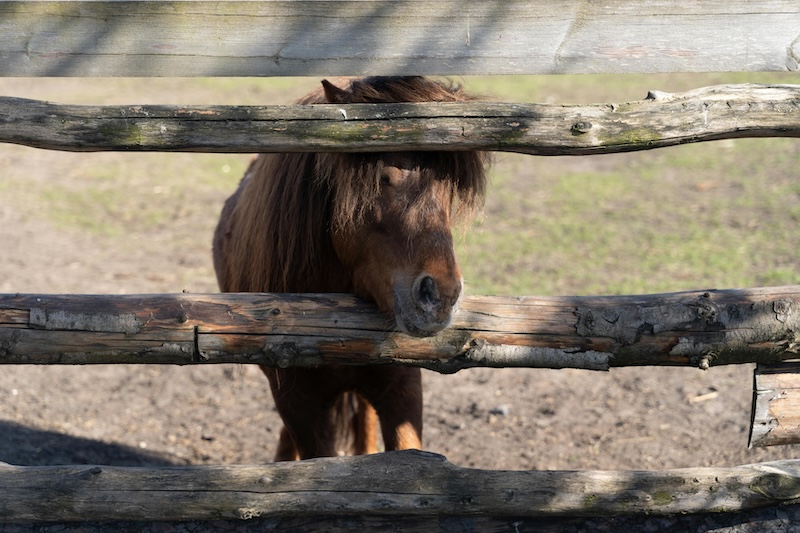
x,y
700,328
411,485
662,119
443,37
776,405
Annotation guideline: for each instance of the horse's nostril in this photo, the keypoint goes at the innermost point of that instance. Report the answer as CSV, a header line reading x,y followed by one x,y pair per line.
x,y
427,291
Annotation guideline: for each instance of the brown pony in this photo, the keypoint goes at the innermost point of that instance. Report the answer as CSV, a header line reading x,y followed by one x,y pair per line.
x,y
373,224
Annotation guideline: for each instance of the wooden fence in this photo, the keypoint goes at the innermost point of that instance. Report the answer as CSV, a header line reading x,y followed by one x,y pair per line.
x,y
266,38
452,37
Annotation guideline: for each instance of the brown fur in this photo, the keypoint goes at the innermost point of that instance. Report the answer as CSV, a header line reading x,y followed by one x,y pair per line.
x,y
377,225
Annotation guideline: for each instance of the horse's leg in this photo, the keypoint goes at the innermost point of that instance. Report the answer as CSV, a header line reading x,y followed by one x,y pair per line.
x,y
365,434
305,399
367,428
396,393
287,451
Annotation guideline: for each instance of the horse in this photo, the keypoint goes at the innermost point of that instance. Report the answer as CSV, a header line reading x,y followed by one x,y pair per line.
x,y
376,225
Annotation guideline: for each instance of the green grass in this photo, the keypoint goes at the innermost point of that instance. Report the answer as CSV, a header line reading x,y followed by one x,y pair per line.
x,y
701,216
111,196
601,88
720,214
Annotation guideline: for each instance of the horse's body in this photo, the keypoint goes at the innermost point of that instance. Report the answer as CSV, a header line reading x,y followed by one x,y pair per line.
x,y
375,225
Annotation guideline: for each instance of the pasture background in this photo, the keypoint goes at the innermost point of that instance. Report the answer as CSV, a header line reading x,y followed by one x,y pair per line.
x,y
711,215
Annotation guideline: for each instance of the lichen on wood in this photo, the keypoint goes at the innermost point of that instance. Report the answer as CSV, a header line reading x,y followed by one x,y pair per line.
x,y
710,113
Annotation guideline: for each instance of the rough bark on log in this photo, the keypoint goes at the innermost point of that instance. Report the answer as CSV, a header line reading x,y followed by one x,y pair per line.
x,y
776,405
396,484
326,38
662,119
700,328
778,518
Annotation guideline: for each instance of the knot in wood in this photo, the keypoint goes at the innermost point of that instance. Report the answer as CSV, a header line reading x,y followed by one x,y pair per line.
x,y
707,311
287,354
703,362
776,486
782,310
88,473
581,127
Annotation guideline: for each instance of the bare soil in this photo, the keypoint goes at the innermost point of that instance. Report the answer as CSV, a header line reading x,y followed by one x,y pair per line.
x,y
633,418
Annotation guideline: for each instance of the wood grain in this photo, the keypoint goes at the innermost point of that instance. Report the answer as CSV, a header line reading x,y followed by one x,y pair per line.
x,y
381,37
776,405
699,328
662,119
395,485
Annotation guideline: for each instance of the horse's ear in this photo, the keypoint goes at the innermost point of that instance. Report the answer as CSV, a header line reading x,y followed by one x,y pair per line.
x,y
333,94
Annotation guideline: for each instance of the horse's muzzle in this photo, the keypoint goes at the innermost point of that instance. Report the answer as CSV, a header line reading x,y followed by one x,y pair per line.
x,y
427,306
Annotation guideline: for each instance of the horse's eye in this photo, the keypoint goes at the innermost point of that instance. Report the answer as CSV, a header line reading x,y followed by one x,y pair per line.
x,y
386,180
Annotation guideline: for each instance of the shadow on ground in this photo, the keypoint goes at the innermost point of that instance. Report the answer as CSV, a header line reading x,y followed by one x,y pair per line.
x,y
25,446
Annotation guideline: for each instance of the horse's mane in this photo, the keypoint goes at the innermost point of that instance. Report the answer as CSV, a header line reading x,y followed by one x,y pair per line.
x,y
289,204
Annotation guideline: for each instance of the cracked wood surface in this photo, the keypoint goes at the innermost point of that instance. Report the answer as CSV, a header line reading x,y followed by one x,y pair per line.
x,y
698,328
454,37
394,486
661,119
776,405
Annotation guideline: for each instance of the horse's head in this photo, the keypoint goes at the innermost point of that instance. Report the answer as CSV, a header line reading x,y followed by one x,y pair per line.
x,y
399,247
391,214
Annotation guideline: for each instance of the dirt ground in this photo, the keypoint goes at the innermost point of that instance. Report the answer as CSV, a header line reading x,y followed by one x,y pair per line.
x,y
634,418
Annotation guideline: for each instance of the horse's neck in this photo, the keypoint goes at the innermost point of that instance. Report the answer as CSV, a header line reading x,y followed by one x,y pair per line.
x,y
330,276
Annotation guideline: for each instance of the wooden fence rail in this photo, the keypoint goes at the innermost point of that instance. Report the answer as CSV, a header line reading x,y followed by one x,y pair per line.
x,y
392,487
662,119
379,37
700,329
